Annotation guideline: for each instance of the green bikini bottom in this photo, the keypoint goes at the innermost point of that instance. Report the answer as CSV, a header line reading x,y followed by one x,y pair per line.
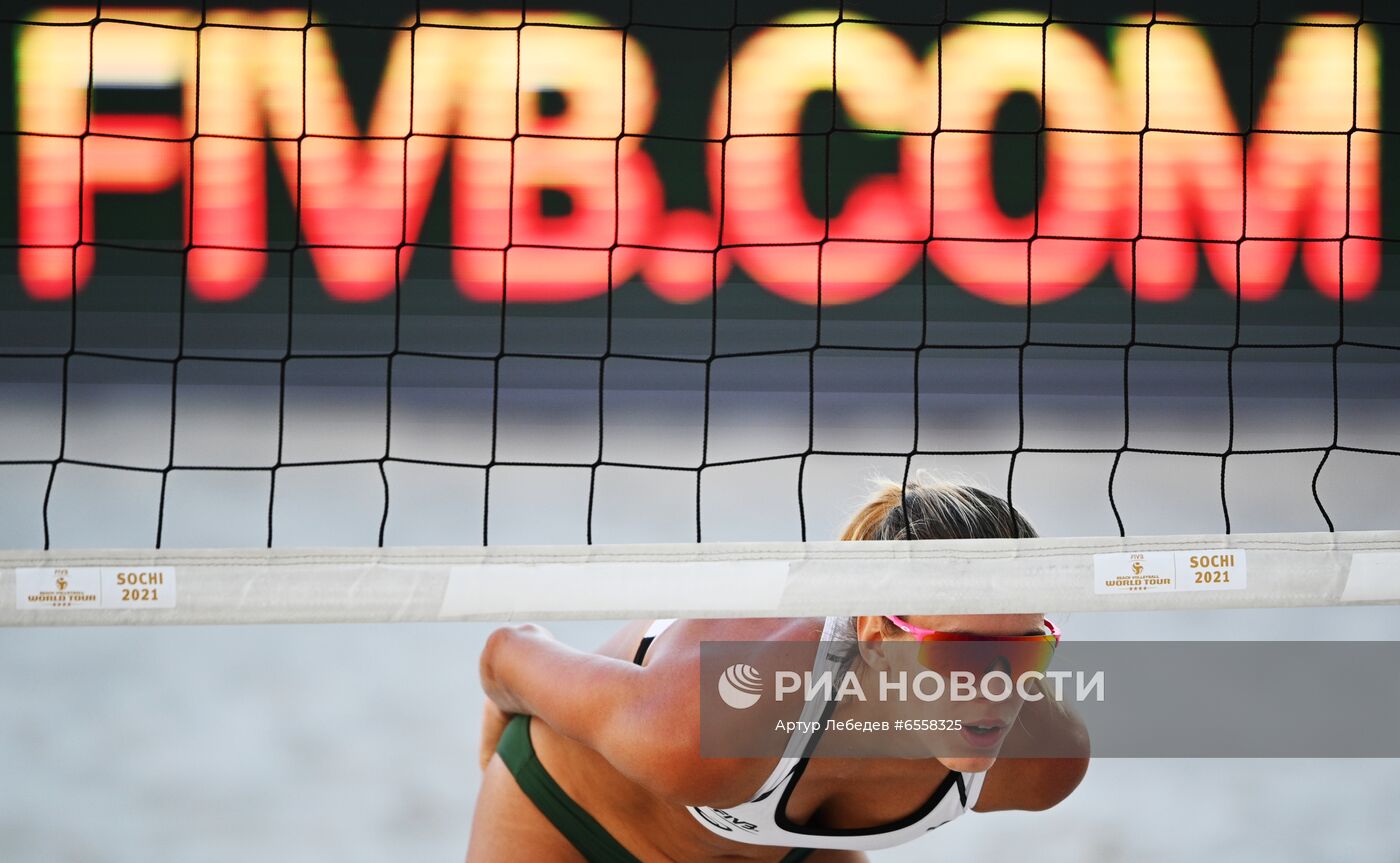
x,y
580,828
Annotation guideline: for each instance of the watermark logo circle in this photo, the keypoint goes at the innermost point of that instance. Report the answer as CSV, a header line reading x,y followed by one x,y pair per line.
x,y
740,686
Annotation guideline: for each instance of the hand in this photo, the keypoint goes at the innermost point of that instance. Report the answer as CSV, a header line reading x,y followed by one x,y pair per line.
x,y
493,724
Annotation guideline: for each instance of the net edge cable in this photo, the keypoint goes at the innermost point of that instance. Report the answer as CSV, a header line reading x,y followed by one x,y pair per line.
x,y
759,579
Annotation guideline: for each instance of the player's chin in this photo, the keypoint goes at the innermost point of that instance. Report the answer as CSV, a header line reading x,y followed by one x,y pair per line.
x,y
968,764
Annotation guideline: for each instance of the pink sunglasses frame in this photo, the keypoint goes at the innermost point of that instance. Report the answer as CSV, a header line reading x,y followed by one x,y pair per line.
x,y
1052,634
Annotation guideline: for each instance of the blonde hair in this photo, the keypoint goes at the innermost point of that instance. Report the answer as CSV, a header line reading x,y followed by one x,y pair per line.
x,y
927,507
930,508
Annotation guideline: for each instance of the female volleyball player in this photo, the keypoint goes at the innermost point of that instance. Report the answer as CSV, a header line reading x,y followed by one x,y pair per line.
x,y
595,757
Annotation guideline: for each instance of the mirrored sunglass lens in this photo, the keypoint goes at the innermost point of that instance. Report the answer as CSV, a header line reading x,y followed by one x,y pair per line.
x,y
1014,658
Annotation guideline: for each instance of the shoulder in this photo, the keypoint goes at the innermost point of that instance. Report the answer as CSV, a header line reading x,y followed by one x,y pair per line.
x,y
680,771
1056,761
1030,784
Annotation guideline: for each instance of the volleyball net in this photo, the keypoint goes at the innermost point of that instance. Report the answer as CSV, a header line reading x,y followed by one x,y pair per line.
x,y
614,309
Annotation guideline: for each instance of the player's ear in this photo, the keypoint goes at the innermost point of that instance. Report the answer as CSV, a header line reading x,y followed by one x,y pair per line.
x,y
870,627
870,641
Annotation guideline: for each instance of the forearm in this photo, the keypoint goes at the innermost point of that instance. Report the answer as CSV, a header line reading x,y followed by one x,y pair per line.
x,y
640,722
641,719
577,693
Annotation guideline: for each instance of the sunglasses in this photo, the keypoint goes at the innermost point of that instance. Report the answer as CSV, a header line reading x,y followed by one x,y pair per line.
x,y
980,654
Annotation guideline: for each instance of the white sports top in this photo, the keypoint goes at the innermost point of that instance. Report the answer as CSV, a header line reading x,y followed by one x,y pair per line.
x,y
763,820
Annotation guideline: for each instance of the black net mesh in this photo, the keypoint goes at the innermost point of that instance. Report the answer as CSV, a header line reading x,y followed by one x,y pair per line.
x,y
709,310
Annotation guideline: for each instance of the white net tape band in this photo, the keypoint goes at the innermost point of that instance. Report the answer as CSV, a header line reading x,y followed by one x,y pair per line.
x,y
707,580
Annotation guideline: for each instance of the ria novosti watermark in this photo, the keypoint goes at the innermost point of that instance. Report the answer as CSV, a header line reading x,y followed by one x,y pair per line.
x,y
1193,699
740,686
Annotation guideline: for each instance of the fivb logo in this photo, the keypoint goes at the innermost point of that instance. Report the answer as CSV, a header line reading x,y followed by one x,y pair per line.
x,y
740,686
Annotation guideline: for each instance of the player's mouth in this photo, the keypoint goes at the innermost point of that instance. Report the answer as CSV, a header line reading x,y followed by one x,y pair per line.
x,y
984,733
